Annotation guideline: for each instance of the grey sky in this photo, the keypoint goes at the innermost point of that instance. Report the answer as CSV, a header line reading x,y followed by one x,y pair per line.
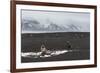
x,y
81,19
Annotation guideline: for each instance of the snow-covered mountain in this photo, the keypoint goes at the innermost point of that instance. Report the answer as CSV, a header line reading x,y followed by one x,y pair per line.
x,y
32,26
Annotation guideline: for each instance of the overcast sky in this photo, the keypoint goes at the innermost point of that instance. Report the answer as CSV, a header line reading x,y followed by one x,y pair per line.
x,y
60,18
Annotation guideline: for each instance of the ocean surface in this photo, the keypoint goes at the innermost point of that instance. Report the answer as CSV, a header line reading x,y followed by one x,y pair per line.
x,y
78,42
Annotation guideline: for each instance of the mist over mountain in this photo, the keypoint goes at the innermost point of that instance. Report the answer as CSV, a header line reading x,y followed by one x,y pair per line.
x,y
47,22
29,26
